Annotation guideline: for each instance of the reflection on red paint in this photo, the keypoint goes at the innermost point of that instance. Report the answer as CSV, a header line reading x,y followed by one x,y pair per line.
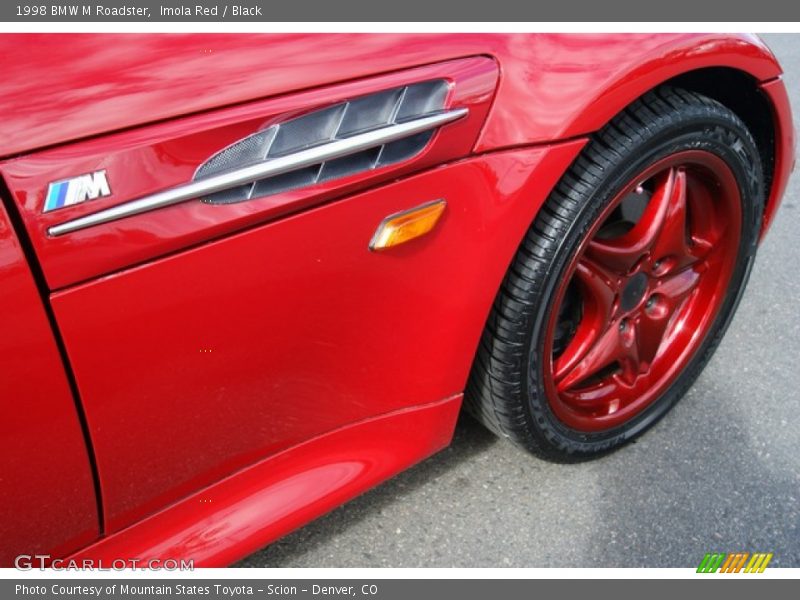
x,y
273,497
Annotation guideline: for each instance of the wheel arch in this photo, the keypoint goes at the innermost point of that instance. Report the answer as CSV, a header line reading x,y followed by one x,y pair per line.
x,y
744,95
764,108
737,70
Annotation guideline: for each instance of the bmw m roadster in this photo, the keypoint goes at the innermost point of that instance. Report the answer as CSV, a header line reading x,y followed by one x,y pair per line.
x,y
247,277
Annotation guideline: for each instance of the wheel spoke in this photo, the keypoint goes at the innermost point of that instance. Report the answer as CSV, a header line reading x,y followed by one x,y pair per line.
x,y
594,397
616,344
702,225
670,237
599,285
622,253
698,251
662,231
654,320
652,326
618,254
629,359
600,354
599,290
677,287
586,336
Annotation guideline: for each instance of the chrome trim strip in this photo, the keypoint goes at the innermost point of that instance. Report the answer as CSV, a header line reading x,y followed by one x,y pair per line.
x,y
270,168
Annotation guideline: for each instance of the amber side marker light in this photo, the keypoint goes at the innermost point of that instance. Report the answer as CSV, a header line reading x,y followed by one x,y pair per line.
x,y
404,226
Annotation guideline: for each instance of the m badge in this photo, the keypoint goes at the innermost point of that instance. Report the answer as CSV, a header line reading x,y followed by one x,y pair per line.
x,y
76,190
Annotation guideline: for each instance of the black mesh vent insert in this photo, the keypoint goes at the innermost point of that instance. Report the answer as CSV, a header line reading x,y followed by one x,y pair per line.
x,y
340,121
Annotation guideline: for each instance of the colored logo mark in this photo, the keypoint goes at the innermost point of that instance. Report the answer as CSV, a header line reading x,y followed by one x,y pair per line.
x,y
76,190
735,562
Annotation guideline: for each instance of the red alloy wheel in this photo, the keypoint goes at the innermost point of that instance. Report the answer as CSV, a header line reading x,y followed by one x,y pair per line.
x,y
645,294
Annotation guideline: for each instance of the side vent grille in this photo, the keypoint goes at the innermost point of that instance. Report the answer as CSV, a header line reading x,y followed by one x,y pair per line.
x,y
347,120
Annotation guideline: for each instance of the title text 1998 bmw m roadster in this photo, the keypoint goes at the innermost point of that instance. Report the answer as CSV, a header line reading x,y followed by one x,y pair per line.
x,y
247,277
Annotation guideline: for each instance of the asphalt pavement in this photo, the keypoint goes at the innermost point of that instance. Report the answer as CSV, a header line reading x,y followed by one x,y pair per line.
x,y
720,473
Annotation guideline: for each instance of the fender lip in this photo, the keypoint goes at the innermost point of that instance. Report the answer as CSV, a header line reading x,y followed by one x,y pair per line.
x,y
785,151
535,106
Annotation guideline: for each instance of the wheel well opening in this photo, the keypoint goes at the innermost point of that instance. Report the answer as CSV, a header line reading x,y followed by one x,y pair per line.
x,y
739,92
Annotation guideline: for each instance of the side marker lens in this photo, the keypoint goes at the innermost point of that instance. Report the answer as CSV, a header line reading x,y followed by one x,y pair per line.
x,y
405,226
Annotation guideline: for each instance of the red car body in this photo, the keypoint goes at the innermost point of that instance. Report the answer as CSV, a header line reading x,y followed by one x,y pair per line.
x,y
196,381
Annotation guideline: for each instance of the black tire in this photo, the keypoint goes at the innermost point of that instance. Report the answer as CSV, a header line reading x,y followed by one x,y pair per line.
x,y
505,390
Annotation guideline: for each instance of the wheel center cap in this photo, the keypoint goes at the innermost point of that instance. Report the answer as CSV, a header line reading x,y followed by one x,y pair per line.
x,y
633,292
